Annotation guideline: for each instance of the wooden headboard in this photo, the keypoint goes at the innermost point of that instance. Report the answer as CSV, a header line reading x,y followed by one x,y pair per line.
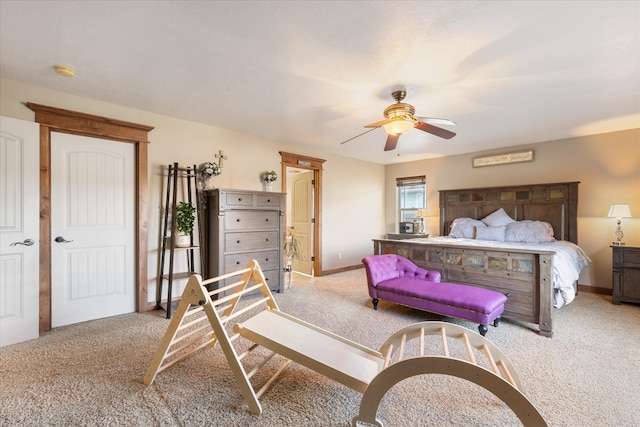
x,y
555,203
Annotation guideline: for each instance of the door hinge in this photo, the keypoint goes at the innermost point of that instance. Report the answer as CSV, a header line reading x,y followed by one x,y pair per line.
x,y
313,258
313,220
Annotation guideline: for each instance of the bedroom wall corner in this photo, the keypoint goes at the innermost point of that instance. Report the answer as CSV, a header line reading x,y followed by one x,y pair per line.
x,y
607,166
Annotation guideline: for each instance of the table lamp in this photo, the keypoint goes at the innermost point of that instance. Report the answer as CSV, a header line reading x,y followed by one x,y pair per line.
x,y
618,212
422,214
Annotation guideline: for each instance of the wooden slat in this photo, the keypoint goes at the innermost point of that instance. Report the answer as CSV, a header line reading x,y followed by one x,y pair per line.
x,y
467,345
506,372
445,346
492,362
275,376
403,341
387,356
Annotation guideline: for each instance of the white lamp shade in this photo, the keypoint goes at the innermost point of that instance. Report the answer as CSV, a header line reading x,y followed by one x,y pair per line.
x,y
619,211
398,127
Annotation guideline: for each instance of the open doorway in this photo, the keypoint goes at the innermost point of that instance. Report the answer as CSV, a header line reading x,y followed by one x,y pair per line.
x,y
302,180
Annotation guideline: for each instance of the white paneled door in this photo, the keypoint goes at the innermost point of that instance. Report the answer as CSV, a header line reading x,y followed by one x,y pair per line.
x,y
19,229
92,227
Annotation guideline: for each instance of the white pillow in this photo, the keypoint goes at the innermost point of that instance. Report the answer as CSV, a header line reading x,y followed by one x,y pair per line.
x,y
491,233
497,218
465,227
529,232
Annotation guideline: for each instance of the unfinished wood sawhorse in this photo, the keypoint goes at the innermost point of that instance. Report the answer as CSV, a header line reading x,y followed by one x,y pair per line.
x,y
201,321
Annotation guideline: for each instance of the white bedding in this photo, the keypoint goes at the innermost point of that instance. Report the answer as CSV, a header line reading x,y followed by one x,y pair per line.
x,y
568,262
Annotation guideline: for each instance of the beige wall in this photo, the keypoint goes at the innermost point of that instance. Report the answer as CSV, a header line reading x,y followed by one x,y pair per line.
x,y
607,166
359,197
348,184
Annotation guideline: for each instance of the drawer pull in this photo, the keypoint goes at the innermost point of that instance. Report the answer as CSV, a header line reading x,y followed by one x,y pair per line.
x,y
266,259
239,199
237,262
237,219
267,220
268,200
266,240
238,241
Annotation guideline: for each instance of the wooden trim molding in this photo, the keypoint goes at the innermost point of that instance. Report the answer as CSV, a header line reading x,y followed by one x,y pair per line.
x,y
53,119
343,269
595,290
315,165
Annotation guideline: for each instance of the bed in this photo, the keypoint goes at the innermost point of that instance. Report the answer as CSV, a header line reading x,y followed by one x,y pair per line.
x,y
537,276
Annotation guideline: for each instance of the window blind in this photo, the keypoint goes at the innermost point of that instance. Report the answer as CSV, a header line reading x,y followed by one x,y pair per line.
x,y
411,181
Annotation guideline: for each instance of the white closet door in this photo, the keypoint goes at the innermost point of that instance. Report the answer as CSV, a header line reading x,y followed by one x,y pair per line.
x,y
92,227
19,229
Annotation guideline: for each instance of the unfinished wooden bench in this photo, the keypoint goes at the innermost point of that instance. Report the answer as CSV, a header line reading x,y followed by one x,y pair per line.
x,y
204,318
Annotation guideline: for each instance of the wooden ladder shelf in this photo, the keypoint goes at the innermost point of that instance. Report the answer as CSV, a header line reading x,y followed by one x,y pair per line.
x,y
188,177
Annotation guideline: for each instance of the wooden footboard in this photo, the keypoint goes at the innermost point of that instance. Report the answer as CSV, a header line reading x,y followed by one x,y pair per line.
x,y
524,274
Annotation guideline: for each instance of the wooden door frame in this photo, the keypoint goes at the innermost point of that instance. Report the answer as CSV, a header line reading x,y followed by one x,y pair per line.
x,y
53,119
315,165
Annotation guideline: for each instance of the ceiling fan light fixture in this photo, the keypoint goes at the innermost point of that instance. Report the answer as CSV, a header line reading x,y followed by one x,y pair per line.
x,y
400,126
399,118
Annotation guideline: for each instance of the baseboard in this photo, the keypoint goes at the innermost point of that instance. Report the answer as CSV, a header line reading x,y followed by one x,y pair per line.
x,y
152,306
594,290
341,270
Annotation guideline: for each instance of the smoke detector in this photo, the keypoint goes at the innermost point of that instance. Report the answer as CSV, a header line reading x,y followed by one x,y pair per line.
x,y
63,71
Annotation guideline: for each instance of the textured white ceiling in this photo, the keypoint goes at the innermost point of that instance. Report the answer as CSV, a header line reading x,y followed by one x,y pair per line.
x,y
315,72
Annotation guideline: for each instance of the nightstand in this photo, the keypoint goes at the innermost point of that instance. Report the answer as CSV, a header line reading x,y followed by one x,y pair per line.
x,y
626,274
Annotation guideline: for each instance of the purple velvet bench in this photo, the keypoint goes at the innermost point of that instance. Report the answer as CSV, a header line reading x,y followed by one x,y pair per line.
x,y
396,279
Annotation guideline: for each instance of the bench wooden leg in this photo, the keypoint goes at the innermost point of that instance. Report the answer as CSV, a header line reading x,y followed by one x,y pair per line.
x,y
375,303
496,321
482,329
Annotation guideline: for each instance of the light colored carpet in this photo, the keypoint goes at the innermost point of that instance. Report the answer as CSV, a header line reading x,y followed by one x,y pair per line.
x,y
90,374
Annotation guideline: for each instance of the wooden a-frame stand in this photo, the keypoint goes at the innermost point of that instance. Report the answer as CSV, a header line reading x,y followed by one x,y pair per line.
x,y
201,321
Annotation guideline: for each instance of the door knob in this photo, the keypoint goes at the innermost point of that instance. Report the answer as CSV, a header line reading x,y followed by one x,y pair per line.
x,y
27,242
61,239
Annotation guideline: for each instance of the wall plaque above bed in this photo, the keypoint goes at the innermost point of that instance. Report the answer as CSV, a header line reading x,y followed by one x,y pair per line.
x,y
503,159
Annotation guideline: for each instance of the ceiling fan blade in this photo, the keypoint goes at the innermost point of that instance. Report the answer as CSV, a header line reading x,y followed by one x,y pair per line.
x,y
435,121
442,133
366,131
392,141
381,123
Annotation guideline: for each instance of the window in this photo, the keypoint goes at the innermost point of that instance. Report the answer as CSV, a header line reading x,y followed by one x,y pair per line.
x,y
412,195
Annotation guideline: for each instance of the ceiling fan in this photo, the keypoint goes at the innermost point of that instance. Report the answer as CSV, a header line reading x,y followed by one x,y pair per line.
x,y
400,119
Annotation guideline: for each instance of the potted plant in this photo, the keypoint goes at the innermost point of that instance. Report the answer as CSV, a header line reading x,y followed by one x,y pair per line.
x,y
185,218
292,253
268,178
208,171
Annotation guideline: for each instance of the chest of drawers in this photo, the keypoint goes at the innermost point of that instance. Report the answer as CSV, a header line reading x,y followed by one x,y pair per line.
x,y
242,225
